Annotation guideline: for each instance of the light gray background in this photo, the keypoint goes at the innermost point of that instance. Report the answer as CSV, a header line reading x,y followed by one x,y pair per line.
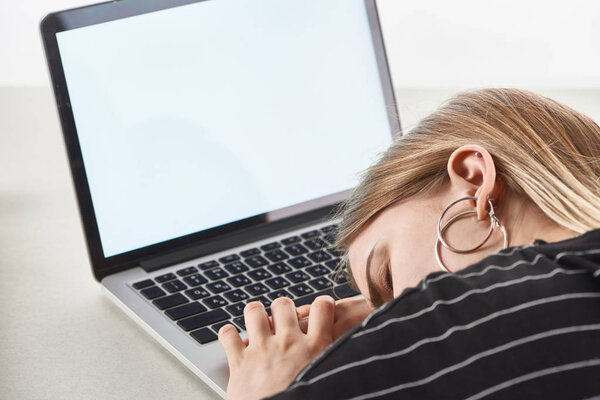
x,y
59,337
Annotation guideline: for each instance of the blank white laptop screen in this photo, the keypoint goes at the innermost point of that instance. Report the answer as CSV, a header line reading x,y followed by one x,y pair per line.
x,y
201,115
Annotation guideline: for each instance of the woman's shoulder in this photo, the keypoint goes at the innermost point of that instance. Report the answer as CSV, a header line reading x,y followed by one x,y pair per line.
x,y
533,272
485,316
533,268
581,252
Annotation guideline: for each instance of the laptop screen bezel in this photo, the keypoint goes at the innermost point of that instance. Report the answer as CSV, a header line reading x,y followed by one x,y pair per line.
x,y
252,226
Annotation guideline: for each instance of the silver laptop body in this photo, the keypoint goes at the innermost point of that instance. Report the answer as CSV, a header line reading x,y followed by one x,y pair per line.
x,y
209,143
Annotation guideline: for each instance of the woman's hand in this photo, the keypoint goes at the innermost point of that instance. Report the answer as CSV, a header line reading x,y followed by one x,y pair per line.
x,y
274,354
348,313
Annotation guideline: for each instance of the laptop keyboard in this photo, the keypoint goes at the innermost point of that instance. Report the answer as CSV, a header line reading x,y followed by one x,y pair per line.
x,y
202,298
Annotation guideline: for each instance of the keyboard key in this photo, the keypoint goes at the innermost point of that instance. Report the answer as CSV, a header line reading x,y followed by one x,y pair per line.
x,y
329,238
256,288
334,252
315,244
165,277
143,284
216,274
229,258
270,246
290,240
280,293
319,256
296,249
341,292
310,234
236,267
187,271
297,276
174,286
200,320
236,309
332,264
340,278
301,289
195,280
317,270
259,274
217,287
236,295
239,321
277,283
204,335
279,268
153,292
276,255
265,302
185,311
250,252
239,280
299,262
344,290
218,326
170,301
329,228
320,283
215,301
256,261
208,265
197,293
311,297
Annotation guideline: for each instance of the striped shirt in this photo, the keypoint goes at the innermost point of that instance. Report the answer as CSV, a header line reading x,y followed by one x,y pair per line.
x,y
522,323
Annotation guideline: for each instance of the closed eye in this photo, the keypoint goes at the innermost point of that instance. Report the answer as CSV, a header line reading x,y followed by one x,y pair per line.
x,y
384,290
387,283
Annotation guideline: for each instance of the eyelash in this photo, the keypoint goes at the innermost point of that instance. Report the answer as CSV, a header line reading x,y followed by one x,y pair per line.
x,y
387,281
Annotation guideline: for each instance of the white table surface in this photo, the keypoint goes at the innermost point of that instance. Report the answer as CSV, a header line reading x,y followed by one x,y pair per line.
x,y
60,338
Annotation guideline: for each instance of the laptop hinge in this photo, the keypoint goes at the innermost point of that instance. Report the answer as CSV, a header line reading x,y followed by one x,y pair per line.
x,y
233,240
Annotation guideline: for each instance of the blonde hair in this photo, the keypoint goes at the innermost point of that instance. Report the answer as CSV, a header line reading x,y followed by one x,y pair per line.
x,y
544,151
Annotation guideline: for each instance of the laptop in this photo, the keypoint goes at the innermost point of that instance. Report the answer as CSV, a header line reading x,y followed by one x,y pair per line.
x,y
209,143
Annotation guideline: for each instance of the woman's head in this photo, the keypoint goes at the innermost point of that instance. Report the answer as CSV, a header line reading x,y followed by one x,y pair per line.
x,y
536,158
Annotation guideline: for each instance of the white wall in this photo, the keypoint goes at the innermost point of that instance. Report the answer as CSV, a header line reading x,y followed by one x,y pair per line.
x,y
22,61
470,43
435,47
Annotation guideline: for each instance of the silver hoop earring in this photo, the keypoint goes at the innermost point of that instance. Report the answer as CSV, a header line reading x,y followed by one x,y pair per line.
x,y
494,223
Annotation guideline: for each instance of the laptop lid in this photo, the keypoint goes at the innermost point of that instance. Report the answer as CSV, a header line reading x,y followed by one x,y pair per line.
x,y
192,126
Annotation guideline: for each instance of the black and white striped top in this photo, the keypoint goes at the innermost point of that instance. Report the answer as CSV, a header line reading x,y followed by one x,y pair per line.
x,y
523,323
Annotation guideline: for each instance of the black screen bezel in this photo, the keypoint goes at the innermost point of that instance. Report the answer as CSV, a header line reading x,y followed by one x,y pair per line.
x,y
252,227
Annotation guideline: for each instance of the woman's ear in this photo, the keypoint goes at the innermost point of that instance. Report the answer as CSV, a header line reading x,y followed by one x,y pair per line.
x,y
472,171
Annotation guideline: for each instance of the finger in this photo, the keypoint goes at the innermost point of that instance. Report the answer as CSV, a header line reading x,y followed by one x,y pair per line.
x,y
348,314
351,307
257,322
271,324
320,320
303,311
232,343
283,311
303,323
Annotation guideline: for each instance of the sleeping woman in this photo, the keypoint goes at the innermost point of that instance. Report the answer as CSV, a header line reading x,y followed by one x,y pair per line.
x,y
475,242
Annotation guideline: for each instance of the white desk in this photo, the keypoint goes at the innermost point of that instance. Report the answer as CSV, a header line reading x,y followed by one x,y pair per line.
x,y
60,338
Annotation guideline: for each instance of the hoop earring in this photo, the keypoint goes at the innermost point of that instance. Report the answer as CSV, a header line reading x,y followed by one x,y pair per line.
x,y
494,223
